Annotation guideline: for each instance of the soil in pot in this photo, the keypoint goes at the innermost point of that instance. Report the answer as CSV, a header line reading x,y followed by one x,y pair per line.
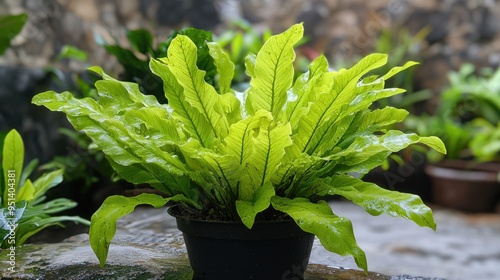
x,y
229,250
458,185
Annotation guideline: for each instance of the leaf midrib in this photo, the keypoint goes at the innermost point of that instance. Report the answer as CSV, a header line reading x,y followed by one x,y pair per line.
x,y
267,156
275,70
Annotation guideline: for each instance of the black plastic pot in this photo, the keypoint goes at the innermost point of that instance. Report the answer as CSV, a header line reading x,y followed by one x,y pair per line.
x,y
228,250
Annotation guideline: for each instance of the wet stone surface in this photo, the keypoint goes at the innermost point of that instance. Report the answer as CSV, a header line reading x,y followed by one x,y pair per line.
x,y
464,246
148,246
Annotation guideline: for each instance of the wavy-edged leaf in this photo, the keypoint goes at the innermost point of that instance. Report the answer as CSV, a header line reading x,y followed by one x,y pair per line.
x,y
364,99
200,38
239,142
274,72
329,134
346,85
380,118
335,233
374,199
328,105
199,94
129,91
126,145
231,107
292,171
247,210
229,103
269,149
366,146
225,167
103,221
134,173
193,120
155,122
224,66
398,69
367,122
165,182
306,88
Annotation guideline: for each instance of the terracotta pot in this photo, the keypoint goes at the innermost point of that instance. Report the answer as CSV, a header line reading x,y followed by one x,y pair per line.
x,y
465,185
229,250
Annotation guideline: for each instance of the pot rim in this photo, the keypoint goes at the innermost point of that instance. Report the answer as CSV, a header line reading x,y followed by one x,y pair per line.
x,y
171,211
236,230
463,175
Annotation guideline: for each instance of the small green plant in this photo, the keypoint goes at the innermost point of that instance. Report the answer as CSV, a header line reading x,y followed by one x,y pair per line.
x,y
239,41
24,211
83,163
467,117
275,150
456,136
472,95
485,145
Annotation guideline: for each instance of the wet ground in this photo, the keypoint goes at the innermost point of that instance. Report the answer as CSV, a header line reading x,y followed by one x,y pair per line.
x,y
148,246
464,246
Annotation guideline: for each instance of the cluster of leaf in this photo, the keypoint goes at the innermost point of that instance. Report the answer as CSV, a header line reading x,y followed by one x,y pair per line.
x,y
281,144
92,166
87,163
485,145
467,118
26,207
470,95
10,26
137,69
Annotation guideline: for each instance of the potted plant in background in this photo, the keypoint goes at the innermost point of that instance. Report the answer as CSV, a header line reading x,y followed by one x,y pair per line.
x,y
258,162
466,120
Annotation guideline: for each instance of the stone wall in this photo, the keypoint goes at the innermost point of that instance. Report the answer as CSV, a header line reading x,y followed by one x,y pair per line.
x,y
460,30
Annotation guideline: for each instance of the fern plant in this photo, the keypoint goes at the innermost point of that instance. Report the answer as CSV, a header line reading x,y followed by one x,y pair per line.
x,y
279,147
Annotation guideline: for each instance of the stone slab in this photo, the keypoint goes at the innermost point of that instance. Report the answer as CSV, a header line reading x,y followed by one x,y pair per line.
x,y
148,246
